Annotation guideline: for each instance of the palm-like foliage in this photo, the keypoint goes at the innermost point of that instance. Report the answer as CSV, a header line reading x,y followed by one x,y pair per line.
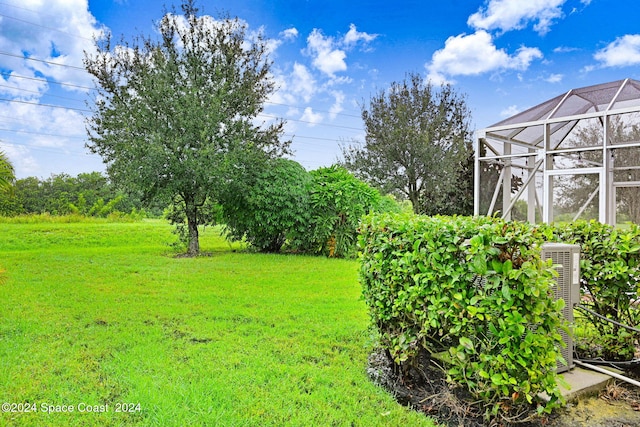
x,y
7,173
7,178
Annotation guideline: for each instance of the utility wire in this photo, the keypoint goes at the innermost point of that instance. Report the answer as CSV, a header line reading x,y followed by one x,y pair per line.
x,y
46,105
41,60
41,133
9,74
51,151
45,27
320,111
83,69
40,93
309,122
261,114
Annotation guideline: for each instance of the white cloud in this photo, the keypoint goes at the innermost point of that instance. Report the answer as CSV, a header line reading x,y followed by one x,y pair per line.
x,y
342,80
554,78
336,108
329,54
511,110
54,36
302,82
353,36
292,112
507,15
21,159
60,33
290,34
311,117
476,54
623,51
326,56
294,85
565,49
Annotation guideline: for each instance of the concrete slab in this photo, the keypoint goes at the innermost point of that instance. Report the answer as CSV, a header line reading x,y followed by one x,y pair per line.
x,y
583,382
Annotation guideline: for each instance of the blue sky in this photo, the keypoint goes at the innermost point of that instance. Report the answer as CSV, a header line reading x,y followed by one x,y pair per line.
x,y
329,58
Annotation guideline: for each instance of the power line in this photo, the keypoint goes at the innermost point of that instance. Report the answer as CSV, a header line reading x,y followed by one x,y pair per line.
x,y
51,150
88,111
40,93
46,105
9,74
37,12
87,88
86,38
41,60
291,135
83,69
45,27
320,111
41,133
309,122
261,114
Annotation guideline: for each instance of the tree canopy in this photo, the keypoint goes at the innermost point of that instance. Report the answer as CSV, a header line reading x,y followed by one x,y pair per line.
x,y
417,144
169,111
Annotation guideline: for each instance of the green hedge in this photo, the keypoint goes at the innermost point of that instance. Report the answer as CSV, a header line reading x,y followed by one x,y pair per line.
x,y
473,287
610,273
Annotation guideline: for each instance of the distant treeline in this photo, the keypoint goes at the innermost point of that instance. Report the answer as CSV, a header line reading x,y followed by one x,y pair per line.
x,y
90,194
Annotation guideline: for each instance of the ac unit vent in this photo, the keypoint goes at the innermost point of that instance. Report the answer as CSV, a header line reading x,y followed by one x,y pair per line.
x,y
566,258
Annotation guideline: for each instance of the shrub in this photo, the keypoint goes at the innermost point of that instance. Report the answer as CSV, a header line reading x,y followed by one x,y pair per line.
x,y
338,200
473,287
272,208
610,277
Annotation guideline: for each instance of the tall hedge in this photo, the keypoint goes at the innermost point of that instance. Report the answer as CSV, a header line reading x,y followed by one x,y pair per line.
x,y
473,288
610,282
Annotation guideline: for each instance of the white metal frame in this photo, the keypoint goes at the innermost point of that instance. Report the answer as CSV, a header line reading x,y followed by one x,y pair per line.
x,y
539,157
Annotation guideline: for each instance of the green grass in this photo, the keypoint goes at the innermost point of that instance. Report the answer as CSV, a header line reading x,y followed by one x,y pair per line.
x,y
103,313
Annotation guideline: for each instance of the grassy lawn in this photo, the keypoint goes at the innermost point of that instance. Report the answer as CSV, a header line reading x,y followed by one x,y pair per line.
x,y
97,315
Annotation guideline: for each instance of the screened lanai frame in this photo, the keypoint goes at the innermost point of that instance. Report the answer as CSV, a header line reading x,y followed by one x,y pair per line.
x,y
540,149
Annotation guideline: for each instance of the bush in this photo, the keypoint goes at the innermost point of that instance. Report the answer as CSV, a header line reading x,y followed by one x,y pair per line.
x,y
338,200
272,208
474,288
610,277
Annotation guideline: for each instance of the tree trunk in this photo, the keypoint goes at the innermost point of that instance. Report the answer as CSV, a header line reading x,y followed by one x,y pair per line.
x,y
415,202
414,194
193,248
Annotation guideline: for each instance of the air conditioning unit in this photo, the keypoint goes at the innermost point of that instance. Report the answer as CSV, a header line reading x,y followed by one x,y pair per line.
x,y
566,258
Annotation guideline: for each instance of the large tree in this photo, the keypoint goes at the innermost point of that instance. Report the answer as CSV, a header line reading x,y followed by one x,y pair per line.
x,y
416,143
169,110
